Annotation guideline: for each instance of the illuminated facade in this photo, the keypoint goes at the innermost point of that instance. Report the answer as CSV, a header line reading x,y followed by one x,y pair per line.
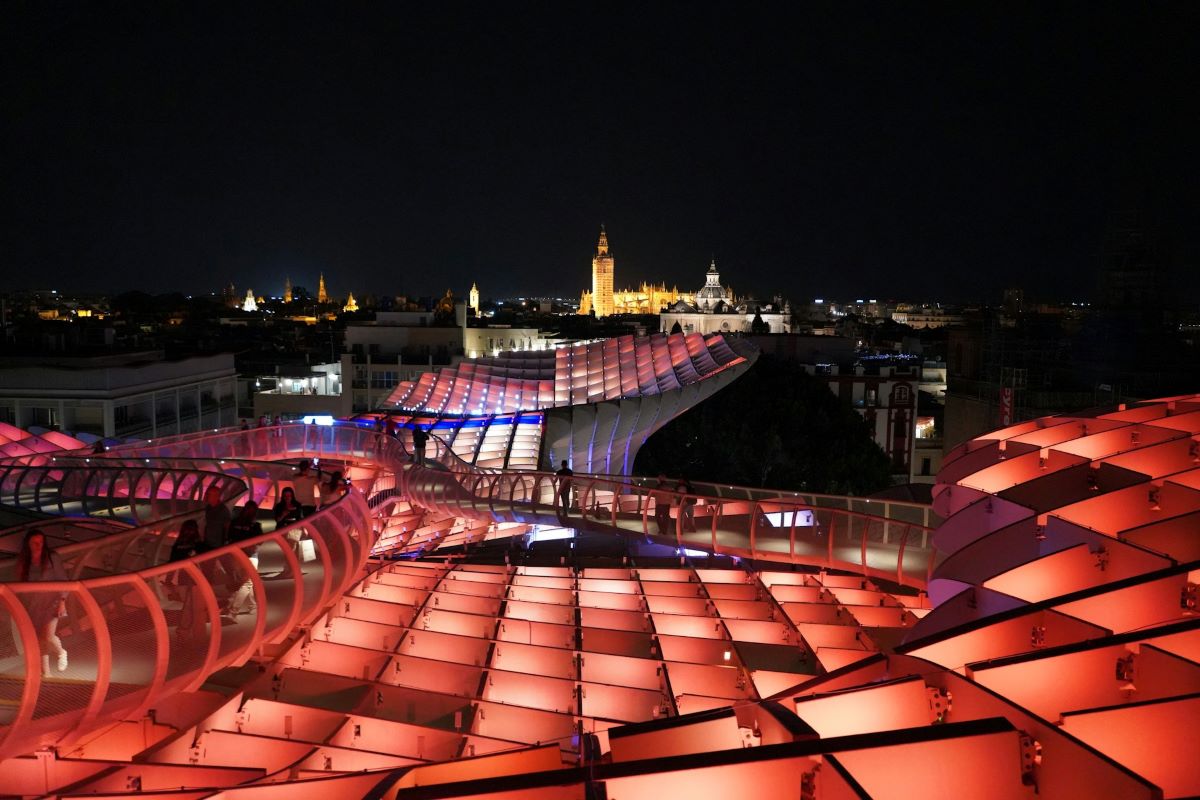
x,y
1049,650
646,299
473,298
287,290
351,304
249,304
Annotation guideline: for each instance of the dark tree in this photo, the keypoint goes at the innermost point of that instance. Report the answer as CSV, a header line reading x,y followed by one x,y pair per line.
x,y
776,426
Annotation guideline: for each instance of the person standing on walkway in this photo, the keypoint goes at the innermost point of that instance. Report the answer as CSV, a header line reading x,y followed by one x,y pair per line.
x,y
245,526
188,544
565,479
216,518
306,488
38,562
420,439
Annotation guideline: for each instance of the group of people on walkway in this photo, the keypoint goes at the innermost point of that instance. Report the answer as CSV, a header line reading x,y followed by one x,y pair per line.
x,y
681,496
264,421
306,494
387,426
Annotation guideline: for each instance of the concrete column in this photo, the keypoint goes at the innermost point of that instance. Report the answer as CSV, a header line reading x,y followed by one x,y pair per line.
x,y
109,423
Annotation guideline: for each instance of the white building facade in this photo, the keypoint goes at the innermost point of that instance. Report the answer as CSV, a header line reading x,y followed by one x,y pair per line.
x,y
717,310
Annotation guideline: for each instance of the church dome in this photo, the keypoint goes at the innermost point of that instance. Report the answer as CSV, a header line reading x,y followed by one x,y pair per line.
x,y
712,292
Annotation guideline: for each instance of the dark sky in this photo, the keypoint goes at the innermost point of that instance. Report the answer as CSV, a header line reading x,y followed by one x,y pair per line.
x,y
841,149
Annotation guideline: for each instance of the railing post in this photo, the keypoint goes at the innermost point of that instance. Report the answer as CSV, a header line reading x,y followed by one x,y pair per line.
x,y
678,520
716,511
829,536
792,536
753,529
866,529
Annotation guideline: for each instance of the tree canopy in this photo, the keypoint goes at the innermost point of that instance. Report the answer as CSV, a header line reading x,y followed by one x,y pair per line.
x,y
774,427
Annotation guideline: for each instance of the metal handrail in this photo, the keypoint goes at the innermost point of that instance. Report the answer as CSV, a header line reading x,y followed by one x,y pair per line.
x,y
743,527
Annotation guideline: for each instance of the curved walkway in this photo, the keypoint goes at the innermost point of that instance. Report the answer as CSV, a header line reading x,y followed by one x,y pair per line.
x,y
138,628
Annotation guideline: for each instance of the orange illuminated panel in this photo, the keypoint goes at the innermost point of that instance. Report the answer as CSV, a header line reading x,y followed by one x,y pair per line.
x,y
1021,469
900,704
1149,738
1121,510
989,764
1111,442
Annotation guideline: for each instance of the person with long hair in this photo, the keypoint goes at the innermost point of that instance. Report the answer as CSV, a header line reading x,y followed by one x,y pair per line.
x,y
288,510
332,489
38,562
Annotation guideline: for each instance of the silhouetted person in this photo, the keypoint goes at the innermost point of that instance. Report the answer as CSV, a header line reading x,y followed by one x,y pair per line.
x,y
662,505
687,505
216,518
565,479
420,439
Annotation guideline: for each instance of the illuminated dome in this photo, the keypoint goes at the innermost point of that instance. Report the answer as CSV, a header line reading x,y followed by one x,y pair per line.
x,y
713,294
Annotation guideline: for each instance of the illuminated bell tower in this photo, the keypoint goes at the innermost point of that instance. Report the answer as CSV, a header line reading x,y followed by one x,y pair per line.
x,y
322,296
602,278
287,290
474,298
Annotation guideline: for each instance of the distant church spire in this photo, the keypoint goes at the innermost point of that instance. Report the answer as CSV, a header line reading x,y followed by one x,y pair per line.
x,y
322,296
287,289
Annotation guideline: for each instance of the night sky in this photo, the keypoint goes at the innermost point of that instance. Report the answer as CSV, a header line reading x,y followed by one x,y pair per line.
x,y
855,150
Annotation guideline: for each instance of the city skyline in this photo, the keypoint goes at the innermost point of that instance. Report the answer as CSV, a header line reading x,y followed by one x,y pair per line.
x,y
950,153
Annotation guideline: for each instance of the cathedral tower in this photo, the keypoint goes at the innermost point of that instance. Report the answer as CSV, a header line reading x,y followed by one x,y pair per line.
x,y
474,298
322,296
602,278
287,290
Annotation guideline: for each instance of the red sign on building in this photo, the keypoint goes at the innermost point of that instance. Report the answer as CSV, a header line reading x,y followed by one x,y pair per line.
x,y
1006,405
